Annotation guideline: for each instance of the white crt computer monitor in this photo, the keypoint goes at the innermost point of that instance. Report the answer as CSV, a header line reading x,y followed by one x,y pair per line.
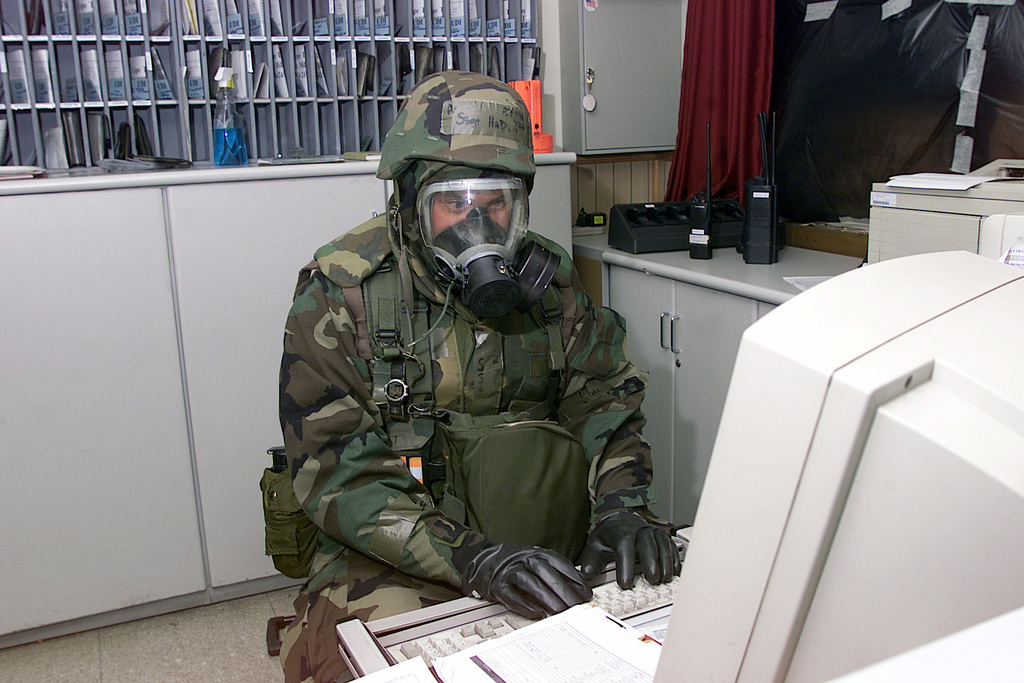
x,y
865,494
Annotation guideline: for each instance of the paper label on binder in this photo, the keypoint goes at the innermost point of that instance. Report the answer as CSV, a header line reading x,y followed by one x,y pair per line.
x,y
361,21
108,17
457,17
62,23
437,18
41,71
115,75
139,82
86,20
133,24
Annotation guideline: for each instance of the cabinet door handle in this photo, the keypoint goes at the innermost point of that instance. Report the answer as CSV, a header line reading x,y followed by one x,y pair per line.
x,y
672,334
664,316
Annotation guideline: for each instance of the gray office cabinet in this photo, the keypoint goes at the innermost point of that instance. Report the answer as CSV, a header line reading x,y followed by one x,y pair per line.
x,y
627,56
98,497
233,301
686,336
684,320
313,77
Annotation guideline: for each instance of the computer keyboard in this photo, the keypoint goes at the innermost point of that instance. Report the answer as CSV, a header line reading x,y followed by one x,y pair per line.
x,y
449,627
476,627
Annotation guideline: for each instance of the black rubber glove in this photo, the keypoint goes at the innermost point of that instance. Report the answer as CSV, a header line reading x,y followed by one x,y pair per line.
x,y
529,581
625,538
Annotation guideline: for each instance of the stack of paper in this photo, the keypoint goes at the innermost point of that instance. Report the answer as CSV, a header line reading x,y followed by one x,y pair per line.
x,y
23,173
211,18
280,78
189,18
583,643
41,74
18,75
108,17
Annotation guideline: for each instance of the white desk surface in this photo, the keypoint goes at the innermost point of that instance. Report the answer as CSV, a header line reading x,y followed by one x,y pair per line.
x,y
725,270
97,179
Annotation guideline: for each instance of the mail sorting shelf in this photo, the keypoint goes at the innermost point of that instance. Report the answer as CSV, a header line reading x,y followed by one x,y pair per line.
x,y
323,76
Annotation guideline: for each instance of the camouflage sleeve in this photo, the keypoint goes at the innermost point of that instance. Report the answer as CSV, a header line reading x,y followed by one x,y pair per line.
x,y
601,402
344,472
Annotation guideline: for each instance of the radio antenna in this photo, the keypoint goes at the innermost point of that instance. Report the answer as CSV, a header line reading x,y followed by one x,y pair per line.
x,y
707,171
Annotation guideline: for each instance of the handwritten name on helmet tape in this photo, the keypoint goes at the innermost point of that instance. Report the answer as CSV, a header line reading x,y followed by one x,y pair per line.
x,y
492,119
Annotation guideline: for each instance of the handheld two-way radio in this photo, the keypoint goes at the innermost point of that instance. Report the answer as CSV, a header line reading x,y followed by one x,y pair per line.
x,y
760,242
700,213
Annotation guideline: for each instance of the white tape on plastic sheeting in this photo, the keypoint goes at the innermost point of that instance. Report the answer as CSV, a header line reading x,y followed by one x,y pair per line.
x,y
979,32
975,70
962,151
970,86
891,8
967,109
819,11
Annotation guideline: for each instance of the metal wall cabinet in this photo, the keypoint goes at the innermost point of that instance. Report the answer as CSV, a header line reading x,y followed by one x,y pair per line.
x,y
323,76
627,56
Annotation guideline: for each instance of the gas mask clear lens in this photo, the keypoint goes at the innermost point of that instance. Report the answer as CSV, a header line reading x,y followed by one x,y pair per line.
x,y
473,229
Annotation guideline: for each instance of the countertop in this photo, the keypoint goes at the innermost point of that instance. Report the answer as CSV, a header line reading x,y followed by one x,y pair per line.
x,y
725,270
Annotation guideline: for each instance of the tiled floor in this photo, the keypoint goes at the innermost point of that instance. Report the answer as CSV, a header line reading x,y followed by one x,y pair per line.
x,y
221,643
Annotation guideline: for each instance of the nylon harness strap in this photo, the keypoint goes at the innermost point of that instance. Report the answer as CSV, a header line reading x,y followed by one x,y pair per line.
x,y
549,313
396,372
379,312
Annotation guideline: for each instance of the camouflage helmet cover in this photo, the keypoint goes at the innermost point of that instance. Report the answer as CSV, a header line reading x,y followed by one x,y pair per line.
x,y
461,118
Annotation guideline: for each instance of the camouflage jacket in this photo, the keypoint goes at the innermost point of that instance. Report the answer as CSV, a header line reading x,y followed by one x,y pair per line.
x,y
344,469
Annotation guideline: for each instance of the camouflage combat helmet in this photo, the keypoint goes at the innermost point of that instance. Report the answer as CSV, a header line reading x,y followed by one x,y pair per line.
x,y
459,118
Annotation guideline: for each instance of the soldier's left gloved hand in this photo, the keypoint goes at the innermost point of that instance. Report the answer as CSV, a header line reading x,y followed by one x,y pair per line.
x,y
626,537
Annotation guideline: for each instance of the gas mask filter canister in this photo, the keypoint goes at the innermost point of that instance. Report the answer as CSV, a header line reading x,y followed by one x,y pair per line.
x,y
474,229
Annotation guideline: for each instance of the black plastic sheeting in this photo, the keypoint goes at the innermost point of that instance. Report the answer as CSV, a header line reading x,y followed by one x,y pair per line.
x,y
860,99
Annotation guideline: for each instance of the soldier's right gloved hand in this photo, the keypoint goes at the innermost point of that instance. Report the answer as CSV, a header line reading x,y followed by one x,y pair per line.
x,y
528,580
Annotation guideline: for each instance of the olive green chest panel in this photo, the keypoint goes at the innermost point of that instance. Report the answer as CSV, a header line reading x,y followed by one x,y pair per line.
x,y
483,369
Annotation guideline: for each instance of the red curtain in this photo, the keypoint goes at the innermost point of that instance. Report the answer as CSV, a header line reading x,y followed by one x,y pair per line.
x,y
727,74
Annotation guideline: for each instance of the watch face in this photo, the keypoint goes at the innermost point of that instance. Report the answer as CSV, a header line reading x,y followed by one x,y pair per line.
x,y
396,390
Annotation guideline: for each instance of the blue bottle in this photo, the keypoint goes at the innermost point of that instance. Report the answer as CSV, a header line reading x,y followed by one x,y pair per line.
x,y
229,148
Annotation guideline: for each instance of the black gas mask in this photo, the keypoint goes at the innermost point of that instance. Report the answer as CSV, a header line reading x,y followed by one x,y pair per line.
x,y
474,228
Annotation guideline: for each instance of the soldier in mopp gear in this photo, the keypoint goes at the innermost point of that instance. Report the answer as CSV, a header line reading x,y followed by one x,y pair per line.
x,y
459,418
